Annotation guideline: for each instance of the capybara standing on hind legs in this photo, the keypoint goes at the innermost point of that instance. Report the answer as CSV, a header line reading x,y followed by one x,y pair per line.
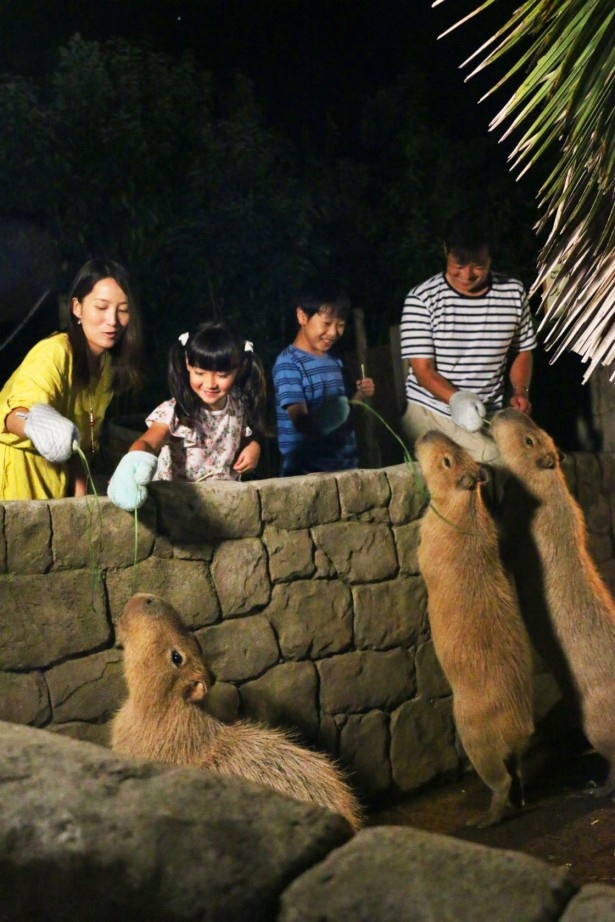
x,y
558,583
476,627
164,719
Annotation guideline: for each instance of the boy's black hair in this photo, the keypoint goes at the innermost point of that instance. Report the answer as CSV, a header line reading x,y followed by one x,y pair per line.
x,y
317,292
467,232
215,347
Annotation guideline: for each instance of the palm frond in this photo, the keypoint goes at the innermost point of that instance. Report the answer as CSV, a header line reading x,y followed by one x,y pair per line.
x,y
563,108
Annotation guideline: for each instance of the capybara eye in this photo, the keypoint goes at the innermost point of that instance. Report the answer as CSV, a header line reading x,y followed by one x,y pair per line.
x,y
447,461
176,658
529,440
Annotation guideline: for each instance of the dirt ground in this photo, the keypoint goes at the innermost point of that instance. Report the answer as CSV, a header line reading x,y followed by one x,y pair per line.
x,y
560,823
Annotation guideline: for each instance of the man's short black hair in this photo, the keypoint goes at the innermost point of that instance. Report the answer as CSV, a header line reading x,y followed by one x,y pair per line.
x,y
468,232
317,292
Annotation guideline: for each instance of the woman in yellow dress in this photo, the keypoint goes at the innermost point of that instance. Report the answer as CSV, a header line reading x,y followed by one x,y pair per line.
x,y
59,394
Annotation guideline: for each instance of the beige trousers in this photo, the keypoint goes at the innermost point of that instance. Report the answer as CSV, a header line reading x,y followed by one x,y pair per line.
x,y
417,420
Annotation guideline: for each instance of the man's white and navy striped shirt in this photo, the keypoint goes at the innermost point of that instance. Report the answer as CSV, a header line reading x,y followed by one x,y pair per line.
x,y
470,338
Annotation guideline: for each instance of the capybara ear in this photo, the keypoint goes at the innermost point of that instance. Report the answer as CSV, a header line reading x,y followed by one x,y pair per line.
x,y
196,691
561,457
483,474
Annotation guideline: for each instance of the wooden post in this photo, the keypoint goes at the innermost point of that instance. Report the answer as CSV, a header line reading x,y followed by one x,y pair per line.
x,y
372,448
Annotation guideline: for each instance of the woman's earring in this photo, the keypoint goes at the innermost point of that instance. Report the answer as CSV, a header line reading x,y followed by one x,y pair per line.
x,y
79,321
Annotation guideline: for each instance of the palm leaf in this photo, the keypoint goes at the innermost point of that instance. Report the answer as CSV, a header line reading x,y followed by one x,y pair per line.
x,y
564,108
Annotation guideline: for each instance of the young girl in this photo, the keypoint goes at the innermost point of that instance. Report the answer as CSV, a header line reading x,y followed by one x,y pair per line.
x,y
211,427
60,393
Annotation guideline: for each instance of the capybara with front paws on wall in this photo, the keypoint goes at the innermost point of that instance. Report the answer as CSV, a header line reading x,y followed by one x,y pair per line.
x,y
164,719
564,600
476,626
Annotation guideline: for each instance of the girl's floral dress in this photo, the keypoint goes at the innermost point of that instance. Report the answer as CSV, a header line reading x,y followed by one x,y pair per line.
x,y
206,451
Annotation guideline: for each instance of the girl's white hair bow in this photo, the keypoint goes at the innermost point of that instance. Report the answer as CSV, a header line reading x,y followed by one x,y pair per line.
x,y
248,346
183,338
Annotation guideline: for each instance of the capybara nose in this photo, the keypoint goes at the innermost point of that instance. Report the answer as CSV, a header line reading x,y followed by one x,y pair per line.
x,y
547,461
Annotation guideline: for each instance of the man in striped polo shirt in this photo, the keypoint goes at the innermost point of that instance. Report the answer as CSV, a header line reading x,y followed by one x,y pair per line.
x,y
461,331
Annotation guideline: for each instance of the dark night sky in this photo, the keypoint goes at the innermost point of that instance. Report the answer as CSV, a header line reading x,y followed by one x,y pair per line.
x,y
307,58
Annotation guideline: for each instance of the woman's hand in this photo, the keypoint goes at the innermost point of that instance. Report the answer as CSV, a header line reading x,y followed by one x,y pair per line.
x,y
247,458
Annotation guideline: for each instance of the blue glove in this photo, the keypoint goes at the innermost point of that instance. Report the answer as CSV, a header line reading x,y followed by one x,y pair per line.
x,y
330,415
467,410
51,433
128,485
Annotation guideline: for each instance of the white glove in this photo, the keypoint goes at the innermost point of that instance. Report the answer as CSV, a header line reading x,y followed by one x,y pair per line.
x,y
51,433
467,410
128,485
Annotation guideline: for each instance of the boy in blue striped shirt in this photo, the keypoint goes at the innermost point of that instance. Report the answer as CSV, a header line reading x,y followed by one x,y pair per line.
x,y
315,431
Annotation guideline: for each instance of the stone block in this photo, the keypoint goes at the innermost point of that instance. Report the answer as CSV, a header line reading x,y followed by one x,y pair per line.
x,y
286,696
598,515
222,702
186,585
360,491
600,547
47,618
291,553
430,680
87,689
357,552
87,834
24,698
2,541
311,618
364,750
91,532
422,742
239,571
391,874
201,551
390,614
595,902
27,529
607,467
408,493
196,512
407,540
588,478
99,734
353,682
239,649
299,502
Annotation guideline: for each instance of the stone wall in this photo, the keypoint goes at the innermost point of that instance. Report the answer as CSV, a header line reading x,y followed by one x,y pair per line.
x,y
304,595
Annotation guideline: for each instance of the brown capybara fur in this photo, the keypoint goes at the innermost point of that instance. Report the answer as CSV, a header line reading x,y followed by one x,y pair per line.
x,y
164,719
563,598
476,626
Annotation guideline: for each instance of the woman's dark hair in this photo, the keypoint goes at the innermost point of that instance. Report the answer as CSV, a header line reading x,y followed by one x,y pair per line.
x,y
127,353
214,347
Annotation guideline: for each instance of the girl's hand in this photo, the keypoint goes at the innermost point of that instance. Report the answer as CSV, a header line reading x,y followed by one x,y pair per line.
x,y
365,388
247,458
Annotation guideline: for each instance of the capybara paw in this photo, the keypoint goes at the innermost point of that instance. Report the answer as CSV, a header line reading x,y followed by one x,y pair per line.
x,y
494,816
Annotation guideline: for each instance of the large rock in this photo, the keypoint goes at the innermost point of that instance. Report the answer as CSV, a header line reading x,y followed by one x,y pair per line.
x,y
87,835
390,874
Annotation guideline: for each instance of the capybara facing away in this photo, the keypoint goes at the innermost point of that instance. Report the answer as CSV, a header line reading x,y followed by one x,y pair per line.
x,y
563,597
164,719
476,627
